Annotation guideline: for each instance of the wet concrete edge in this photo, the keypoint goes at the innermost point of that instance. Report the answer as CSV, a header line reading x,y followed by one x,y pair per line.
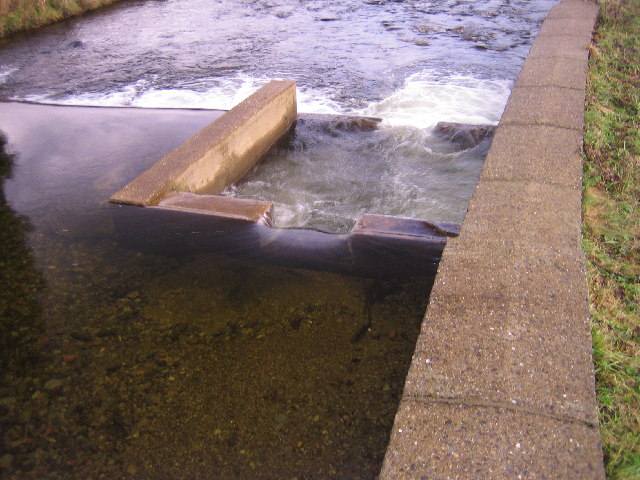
x,y
501,383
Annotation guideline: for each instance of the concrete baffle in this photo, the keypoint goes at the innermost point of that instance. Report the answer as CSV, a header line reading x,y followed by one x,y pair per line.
x,y
221,153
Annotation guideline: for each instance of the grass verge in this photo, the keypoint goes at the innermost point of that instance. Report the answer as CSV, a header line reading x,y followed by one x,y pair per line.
x,y
21,15
611,229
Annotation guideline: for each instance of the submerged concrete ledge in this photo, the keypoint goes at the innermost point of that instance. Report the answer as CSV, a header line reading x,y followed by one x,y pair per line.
x,y
221,153
236,208
501,384
385,225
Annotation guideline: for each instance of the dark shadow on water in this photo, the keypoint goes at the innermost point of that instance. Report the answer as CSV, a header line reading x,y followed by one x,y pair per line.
x,y
21,326
20,321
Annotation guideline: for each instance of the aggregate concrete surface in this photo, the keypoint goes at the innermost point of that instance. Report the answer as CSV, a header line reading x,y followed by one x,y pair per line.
x,y
501,383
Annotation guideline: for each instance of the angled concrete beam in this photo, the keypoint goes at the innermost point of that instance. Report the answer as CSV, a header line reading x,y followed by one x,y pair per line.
x,y
222,152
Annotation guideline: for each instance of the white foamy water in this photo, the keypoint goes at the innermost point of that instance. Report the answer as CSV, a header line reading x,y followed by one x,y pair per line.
x,y
425,99
5,73
428,98
327,177
124,97
220,94
402,169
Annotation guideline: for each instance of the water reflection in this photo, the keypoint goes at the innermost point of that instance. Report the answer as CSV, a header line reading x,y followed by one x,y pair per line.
x,y
20,313
21,325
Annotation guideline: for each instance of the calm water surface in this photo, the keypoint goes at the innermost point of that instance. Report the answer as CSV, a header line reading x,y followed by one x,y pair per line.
x,y
127,355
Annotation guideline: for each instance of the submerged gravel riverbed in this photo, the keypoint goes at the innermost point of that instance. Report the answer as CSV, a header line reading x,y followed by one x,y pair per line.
x,y
208,379
122,362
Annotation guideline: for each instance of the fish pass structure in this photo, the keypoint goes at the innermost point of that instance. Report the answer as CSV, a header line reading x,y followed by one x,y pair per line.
x,y
190,178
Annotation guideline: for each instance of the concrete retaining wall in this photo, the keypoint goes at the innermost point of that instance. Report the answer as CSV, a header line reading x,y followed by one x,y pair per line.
x,y
501,384
221,153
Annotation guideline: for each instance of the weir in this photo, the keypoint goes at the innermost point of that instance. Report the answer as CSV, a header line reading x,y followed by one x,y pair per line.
x,y
190,177
500,384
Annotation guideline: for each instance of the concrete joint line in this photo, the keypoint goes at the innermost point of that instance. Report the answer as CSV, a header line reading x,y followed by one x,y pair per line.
x,y
468,402
541,124
528,181
570,17
561,35
550,85
557,57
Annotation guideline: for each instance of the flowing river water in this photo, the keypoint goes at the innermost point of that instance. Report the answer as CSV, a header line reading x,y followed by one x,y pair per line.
x,y
124,359
411,63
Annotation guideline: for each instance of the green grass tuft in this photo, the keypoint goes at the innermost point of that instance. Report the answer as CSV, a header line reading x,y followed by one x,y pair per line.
x,y
24,15
611,229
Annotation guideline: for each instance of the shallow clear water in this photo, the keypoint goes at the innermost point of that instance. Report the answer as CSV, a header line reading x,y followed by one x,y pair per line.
x,y
135,347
